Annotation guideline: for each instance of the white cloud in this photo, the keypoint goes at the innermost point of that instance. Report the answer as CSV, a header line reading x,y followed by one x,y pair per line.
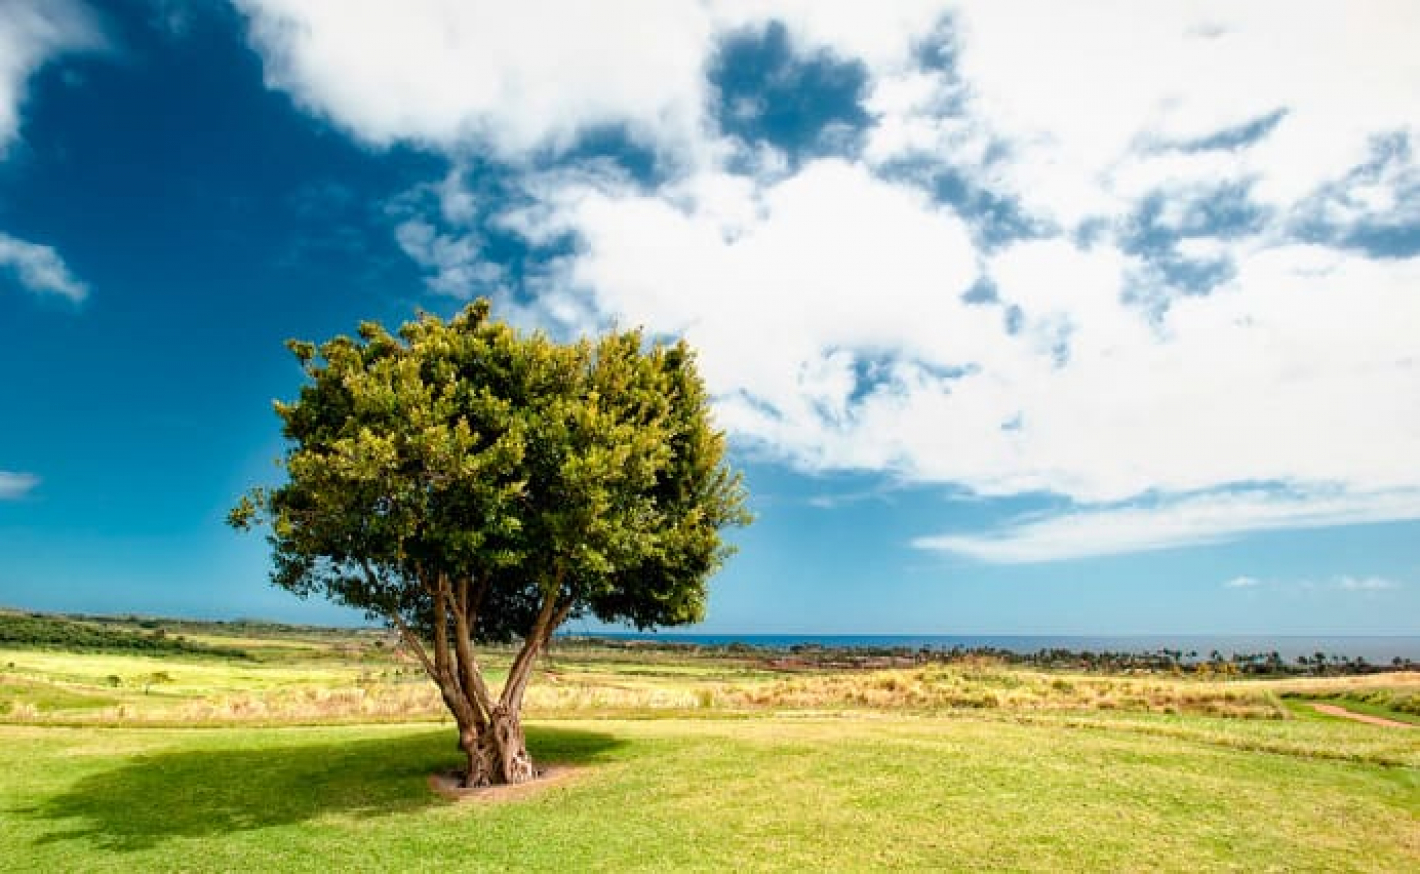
x,y
1345,583
1172,523
825,299
39,268
881,36
1242,583
455,261
31,33
527,76
1366,584
807,297
517,76
1087,96
14,486
1092,104
827,309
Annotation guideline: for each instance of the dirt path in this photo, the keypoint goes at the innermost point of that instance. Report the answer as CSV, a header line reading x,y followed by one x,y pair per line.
x,y
1333,710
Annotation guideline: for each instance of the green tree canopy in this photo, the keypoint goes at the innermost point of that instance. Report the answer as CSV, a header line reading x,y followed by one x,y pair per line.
x,y
468,482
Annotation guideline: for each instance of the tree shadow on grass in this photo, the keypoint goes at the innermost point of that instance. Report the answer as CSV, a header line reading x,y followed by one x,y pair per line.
x,y
196,793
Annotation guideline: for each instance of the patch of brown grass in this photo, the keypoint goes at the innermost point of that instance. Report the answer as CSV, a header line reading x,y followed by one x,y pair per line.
x,y
997,688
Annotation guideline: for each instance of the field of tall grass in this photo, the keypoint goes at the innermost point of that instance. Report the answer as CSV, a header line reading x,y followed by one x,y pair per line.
x,y
46,686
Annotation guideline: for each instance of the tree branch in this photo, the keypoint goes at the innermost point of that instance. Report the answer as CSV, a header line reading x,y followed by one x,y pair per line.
x,y
441,627
440,671
469,669
405,632
512,698
412,640
557,619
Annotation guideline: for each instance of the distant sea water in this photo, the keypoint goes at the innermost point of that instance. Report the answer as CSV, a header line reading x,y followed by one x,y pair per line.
x,y
1376,650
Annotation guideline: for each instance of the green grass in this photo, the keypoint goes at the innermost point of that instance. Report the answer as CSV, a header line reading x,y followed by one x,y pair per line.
x,y
683,762
771,793
38,630
47,696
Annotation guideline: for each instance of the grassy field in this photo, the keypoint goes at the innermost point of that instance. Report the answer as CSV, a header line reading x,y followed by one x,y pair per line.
x,y
315,756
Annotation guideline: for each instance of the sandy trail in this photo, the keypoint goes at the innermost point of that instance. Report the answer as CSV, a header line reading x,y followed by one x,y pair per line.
x,y
1333,710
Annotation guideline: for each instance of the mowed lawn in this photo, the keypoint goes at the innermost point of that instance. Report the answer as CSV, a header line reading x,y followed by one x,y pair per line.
x,y
858,791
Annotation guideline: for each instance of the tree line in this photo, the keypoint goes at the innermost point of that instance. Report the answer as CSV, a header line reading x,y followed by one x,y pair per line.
x,y
39,630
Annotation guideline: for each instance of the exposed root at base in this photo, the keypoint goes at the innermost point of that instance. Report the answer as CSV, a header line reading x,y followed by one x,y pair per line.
x,y
450,785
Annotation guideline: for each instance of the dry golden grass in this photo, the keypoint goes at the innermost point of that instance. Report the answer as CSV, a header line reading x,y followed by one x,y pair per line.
x,y
979,685
369,704
72,688
993,687
1400,681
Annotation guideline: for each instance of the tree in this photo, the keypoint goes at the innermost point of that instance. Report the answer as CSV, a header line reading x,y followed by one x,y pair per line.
x,y
467,482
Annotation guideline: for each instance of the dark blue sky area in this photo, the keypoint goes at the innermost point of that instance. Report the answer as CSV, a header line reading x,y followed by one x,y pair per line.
x,y
211,221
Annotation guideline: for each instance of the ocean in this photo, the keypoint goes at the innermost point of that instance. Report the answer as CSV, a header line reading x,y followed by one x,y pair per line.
x,y
1376,650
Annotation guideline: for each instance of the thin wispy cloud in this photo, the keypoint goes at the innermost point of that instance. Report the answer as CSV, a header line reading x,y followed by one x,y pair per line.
x,y
1367,584
1242,583
835,500
14,486
39,269
1342,583
1171,524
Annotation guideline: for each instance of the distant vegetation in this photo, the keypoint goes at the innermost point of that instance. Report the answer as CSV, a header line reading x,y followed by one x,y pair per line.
x,y
1166,661
157,636
40,630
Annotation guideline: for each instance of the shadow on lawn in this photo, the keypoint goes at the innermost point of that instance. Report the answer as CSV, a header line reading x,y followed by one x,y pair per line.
x,y
202,793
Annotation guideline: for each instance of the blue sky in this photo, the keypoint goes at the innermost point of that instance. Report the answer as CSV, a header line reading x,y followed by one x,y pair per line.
x,y
1021,318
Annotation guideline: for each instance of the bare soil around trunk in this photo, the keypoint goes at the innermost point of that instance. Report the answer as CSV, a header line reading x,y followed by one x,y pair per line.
x,y
1333,710
446,783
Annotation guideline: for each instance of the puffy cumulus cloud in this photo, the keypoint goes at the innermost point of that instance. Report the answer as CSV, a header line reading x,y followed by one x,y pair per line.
x,y
830,314
883,36
515,76
1091,105
31,33
1078,109
526,77
1302,368
14,486
1119,253
39,268
829,310
819,301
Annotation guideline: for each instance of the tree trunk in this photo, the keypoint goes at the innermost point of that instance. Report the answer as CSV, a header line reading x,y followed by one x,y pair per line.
x,y
480,767
490,734
497,753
